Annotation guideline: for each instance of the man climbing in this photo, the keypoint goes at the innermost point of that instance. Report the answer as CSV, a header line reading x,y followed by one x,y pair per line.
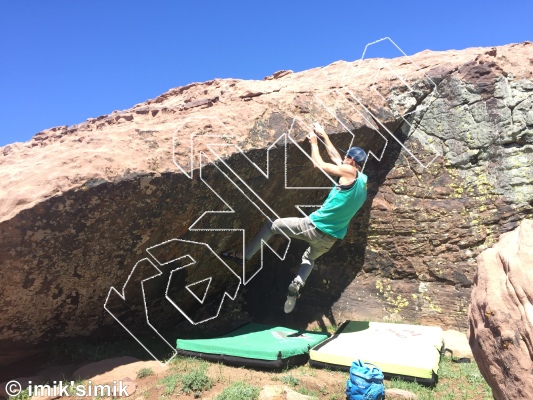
x,y
322,228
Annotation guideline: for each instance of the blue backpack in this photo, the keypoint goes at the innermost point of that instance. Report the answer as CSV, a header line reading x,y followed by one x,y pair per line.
x,y
365,383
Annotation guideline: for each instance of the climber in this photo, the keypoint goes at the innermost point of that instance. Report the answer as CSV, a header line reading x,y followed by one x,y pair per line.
x,y
322,228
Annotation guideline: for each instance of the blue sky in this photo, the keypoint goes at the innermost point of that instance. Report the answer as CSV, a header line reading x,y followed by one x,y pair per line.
x,y
62,62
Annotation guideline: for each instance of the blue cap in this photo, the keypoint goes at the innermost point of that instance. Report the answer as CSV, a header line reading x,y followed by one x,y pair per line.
x,y
357,153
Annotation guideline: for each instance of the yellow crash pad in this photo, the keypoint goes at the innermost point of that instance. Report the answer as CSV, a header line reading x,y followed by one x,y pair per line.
x,y
398,349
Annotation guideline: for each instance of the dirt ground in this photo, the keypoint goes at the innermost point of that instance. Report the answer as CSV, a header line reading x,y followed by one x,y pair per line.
x,y
319,383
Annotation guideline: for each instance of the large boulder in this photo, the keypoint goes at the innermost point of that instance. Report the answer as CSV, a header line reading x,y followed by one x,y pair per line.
x,y
97,205
501,314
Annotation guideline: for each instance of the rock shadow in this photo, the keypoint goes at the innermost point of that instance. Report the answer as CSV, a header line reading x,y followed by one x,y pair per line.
x,y
334,271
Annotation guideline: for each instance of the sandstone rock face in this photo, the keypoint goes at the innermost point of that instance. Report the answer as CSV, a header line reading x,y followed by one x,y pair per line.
x,y
87,207
501,314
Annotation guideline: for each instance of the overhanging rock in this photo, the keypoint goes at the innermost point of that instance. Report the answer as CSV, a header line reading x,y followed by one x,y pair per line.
x,y
451,170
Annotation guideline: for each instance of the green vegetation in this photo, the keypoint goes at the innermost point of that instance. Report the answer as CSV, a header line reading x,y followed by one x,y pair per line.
x,y
196,381
144,372
290,380
23,395
331,329
456,381
189,374
169,383
307,392
239,391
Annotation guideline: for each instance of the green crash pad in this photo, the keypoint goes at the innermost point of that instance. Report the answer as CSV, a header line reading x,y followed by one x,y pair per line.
x,y
255,345
409,351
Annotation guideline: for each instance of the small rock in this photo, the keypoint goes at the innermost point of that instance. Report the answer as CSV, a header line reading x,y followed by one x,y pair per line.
x,y
457,342
280,392
394,393
129,385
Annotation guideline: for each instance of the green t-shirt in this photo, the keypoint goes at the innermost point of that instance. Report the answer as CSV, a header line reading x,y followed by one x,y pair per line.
x,y
340,206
